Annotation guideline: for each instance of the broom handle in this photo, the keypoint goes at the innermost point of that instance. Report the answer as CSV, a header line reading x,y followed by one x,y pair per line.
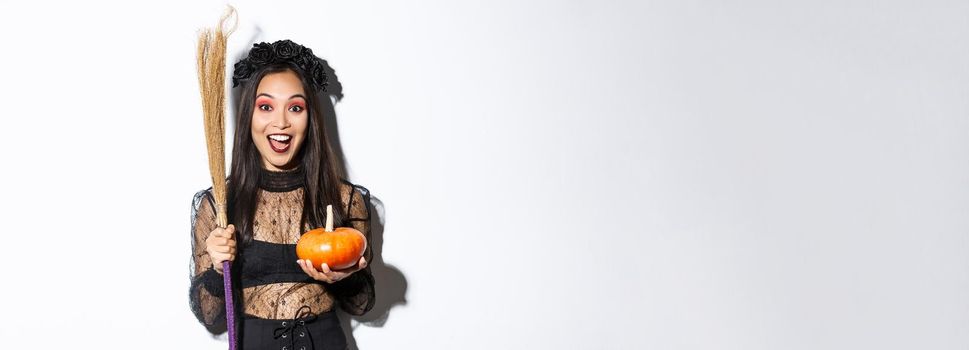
x,y
230,315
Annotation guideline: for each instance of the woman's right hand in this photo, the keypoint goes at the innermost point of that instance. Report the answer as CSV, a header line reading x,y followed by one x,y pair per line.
x,y
221,246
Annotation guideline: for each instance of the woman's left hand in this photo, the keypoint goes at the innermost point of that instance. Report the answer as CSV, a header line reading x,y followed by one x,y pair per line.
x,y
327,275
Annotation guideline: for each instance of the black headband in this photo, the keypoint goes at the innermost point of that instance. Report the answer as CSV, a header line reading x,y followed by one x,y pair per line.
x,y
282,51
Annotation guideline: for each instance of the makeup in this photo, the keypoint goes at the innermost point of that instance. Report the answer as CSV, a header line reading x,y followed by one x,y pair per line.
x,y
279,142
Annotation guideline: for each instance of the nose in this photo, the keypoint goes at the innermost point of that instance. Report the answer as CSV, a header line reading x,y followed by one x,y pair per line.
x,y
281,120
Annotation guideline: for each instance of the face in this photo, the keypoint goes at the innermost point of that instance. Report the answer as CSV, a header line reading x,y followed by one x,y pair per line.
x,y
279,120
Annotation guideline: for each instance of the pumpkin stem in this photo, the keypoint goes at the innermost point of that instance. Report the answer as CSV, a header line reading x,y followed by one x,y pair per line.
x,y
329,218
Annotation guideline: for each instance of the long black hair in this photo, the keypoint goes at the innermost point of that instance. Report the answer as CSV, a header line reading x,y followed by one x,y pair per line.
x,y
323,169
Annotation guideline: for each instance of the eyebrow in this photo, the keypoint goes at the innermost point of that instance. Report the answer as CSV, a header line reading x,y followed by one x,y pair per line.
x,y
291,97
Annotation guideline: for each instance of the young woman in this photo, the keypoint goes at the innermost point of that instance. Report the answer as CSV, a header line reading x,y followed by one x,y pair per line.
x,y
283,174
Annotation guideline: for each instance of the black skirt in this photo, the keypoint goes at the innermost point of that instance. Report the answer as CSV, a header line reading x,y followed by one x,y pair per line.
x,y
306,332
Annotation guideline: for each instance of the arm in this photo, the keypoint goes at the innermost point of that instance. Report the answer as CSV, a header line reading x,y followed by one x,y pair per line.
x,y
206,293
355,294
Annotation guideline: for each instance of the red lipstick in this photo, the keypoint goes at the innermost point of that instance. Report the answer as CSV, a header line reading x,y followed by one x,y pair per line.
x,y
279,142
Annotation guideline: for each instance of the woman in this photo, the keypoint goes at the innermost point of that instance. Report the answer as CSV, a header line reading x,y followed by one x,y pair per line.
x,y
283,174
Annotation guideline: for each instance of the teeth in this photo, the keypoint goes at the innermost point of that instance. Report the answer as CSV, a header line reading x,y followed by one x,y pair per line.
x,y
280,138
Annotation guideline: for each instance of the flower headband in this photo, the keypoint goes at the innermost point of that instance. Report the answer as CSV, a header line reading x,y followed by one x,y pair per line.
x,y
282,51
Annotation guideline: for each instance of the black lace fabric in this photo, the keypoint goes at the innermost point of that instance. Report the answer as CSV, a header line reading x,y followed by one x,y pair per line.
x,y
276,224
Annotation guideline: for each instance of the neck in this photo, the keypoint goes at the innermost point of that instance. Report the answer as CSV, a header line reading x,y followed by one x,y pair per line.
x,y
281,180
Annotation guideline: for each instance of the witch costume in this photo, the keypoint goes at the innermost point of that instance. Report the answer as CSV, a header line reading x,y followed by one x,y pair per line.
x,y
279,305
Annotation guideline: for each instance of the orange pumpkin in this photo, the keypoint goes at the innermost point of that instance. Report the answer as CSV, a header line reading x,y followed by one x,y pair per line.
x,y
339,249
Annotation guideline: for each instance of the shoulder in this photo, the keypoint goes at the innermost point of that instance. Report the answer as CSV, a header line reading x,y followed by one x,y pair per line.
x,y
205,193
203,198
349,190
356,198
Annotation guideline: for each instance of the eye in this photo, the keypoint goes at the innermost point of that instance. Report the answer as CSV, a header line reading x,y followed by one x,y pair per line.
x,y
265,107
296,108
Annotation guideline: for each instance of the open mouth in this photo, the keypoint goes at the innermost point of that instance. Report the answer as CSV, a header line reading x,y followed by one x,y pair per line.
x,y
279,142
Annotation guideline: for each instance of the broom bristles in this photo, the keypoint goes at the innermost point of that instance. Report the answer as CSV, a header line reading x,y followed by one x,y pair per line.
x,y
211,70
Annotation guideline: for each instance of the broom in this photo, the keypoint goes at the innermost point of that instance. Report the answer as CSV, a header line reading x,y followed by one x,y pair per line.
x,y
211,71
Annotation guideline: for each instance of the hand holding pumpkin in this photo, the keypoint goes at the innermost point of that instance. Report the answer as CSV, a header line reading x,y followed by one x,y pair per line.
x,y
327,275
330,255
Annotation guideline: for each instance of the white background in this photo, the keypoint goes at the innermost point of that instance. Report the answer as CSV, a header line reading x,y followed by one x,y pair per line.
x,y
554,174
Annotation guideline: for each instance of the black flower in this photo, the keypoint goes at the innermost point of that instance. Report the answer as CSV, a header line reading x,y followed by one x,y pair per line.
x,y
241,71
318,75
304,61
285,49
261,53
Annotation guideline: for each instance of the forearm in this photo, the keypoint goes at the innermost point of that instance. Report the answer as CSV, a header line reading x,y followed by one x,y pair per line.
x,y
207,299
356,292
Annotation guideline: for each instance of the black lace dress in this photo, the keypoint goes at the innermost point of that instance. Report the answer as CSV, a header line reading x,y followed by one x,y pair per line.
x,y
269,285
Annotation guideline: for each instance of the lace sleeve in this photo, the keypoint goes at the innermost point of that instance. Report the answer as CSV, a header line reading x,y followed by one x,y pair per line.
x,y
206,293
356,292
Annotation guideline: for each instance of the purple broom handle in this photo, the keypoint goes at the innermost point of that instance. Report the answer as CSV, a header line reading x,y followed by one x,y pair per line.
x,y
230,315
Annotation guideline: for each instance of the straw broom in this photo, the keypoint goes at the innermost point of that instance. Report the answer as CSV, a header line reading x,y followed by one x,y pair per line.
x,y
211,71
